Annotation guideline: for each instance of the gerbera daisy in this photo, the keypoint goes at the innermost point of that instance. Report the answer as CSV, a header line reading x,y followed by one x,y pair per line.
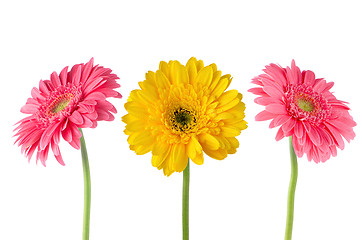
x,y
305,109
181,112
61,105
308,113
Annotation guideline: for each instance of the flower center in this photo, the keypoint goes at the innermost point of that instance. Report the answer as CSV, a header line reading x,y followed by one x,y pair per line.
x,y
305,105
182,119
60,103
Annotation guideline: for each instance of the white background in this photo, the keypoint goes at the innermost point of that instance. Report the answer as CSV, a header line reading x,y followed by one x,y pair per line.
x,y
242,197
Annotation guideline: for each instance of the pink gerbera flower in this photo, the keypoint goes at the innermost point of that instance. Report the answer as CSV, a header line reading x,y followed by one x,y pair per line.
x,y
305,109
61,105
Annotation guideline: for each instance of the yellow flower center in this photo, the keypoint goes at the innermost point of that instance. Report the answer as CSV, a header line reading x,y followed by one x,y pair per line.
x,y
60,103
305,105
182,119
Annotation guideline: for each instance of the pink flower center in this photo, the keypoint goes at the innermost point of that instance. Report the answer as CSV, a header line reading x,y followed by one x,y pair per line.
x,y
306,105
60,104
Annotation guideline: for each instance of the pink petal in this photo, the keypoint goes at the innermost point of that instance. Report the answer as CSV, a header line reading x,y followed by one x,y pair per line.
x,y
328,86
298,129
55,79
102,115
306,126
96,96
63,76
47,136
333,150
309,78
264,115
276,108
258,91
87,123
76,75
274,92
314,136
277,73
43,87
75,144
288,126
302,140
29,109
35,93
280,134
67,134
319,86
93,115
87,69
257,81
89,86
264,100
76,118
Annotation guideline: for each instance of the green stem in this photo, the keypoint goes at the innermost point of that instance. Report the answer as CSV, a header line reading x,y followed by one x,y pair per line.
x,y
291,193
185,202
87,188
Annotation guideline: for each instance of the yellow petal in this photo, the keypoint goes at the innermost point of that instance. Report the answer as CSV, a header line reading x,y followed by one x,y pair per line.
x,y
215,80
191,69
167,171
159,148
150,90
157,160
167,164
198,159
193,147
135,109
161,80
216,154
164,68
228,76
142,149
179,157
148,97
224,143
178,73
233,142
199,65
209,141
150,78
230,131
230,104
224,115
204,76
220,87
139,97
214,67
128,118
141,138
231,150
136,126
227,97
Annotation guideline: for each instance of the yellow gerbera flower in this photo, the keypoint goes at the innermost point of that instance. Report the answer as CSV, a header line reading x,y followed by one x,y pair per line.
x,y
181,112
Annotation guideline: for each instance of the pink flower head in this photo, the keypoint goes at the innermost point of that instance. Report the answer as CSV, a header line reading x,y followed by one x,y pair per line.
x,y
61,105
305,109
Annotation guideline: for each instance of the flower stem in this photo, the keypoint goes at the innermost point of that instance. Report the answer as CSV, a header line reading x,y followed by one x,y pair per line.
x,y
87,188
185,202
291,193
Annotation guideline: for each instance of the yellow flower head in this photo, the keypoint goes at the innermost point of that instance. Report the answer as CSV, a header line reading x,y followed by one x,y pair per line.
x,y
181,112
